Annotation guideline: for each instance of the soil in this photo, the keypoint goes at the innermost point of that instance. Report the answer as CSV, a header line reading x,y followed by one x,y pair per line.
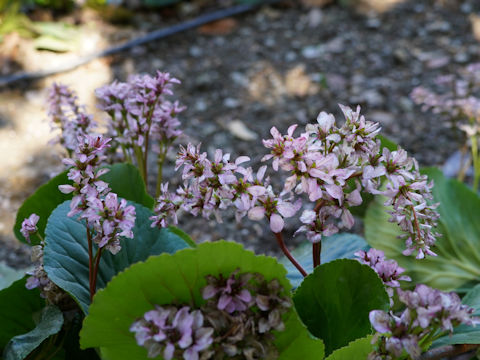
x,y
275,66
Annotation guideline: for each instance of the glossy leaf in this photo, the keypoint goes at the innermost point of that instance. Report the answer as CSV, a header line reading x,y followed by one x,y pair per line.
x,y
358,349
123,179
335,300
387,143
178,279
296,342
66,251
182,234
334,247
457,266
20,346
17,306
42,202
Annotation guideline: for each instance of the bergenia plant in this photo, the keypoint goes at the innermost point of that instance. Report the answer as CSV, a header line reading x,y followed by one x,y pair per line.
x,y
111,267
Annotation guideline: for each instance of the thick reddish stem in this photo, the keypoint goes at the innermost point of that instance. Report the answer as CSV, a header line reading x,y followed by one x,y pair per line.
x,y
95,272
317,247
316,251
90,262
280,241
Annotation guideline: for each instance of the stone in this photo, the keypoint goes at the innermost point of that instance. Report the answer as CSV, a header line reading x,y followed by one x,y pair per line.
x,y
238,129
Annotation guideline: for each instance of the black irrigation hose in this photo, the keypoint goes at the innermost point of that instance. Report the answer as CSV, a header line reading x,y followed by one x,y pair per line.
x,y
154,35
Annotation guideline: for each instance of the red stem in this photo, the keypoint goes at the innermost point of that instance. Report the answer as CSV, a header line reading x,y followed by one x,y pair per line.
x,y
280,241
95,272
317,247
90,262
316,251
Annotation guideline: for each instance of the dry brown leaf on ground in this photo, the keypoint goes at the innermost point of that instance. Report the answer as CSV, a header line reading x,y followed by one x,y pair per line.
x,y
475,21
220,27
375,6
298,83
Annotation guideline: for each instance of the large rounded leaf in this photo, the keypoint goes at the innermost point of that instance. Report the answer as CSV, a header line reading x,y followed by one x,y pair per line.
x,y
8,275
335,300
66,251
20,346
457,266
42,202
123,179
358,349
178,279
17,306
338,246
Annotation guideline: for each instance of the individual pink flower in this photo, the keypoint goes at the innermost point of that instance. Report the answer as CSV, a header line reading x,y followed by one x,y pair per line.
x,y
229,294
275,209
29,226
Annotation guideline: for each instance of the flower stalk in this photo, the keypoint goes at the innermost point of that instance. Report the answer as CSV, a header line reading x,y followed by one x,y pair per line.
x,y
287,253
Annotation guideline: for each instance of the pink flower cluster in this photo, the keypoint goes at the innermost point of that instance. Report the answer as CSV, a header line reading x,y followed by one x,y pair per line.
x,y
213,186
237,321
139,111
39,279
168,331
107,217
387,270
429,313
331,165
231,294
68,117
454,96
85,172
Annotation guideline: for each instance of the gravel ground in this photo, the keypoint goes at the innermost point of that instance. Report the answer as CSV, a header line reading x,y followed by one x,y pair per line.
x,y
273,67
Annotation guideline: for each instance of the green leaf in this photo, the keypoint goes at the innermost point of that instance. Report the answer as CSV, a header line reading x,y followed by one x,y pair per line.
x,y
387,143
335,300
8,275
182,234
123,179
56,30
457,265
178,279
20,346
464,334
472,299
334,247
358,349
50,43
17,305
66,251
42,202
296,342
